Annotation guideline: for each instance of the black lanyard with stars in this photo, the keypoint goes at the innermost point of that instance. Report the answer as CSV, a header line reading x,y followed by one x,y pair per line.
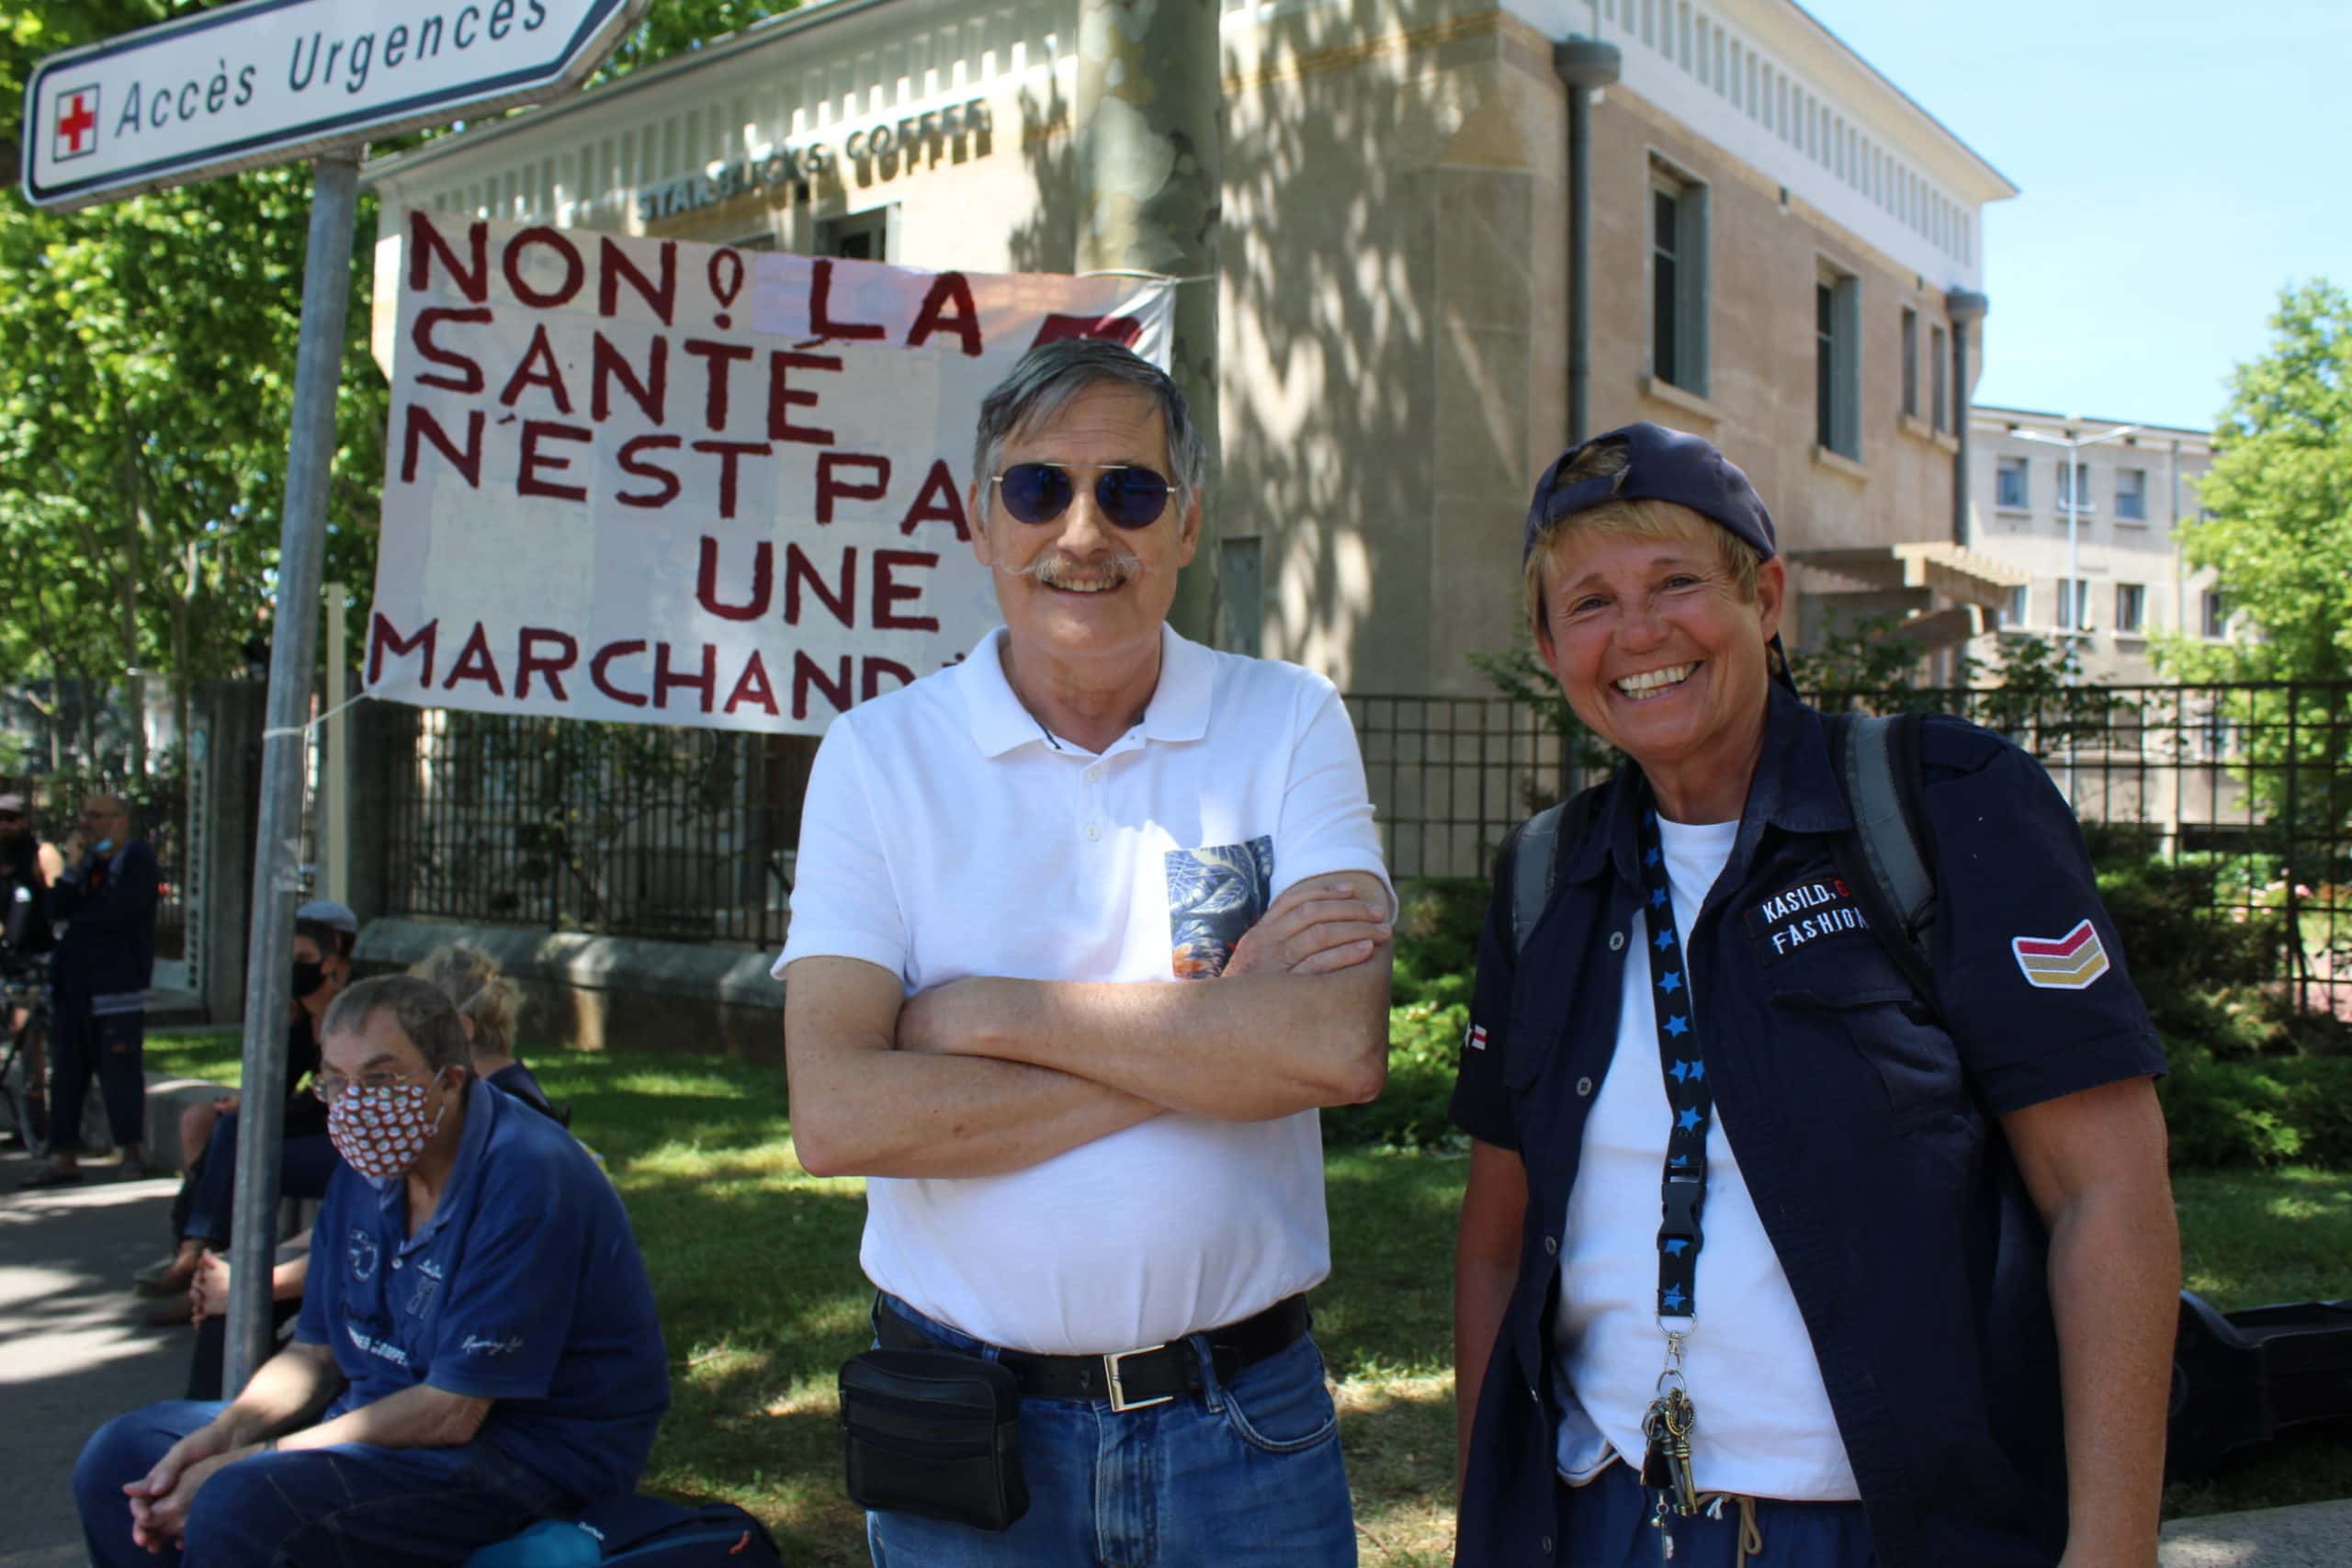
x,y
1683,1184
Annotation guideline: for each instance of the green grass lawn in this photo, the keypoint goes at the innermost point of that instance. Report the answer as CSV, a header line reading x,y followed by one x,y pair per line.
x,y
756,1265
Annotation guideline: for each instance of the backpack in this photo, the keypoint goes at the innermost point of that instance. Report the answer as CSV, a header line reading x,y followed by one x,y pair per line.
x,y
1885,859
646,1532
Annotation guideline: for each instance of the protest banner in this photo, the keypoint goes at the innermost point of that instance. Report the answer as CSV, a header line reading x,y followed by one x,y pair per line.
x,y
672,483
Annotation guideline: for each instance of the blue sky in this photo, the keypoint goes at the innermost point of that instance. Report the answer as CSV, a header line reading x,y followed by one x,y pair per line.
x,y
2178,162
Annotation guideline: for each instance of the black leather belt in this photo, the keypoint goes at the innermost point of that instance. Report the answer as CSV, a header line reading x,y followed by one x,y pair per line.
x,y
1130,1379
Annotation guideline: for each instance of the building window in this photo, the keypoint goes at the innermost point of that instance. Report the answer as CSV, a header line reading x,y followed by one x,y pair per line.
x,y
2074,605
1940,400
2131,608
2010,488
1679,282
2216,622
2013,614
2132,495
862,236
1837,318
2074,487
1910,362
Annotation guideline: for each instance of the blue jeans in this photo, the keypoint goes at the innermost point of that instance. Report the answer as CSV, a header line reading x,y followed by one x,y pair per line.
x,y
1606,1524
1244,1474
305,1161
348,1507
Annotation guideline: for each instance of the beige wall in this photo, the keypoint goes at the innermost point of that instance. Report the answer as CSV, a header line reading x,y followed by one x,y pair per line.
x,y
1392,282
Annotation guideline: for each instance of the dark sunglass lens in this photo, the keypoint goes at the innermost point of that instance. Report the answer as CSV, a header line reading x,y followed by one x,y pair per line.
x,y
1132,498
1036,492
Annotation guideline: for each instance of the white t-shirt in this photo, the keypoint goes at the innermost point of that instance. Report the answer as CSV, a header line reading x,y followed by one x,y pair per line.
x,y
947,835
1765,1427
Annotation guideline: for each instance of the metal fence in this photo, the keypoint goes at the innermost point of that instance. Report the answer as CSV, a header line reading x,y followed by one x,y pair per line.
x,y
688,834
683,834
2252,782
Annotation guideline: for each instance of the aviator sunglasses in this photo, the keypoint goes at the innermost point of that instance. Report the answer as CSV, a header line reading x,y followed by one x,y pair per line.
x,y
1129,496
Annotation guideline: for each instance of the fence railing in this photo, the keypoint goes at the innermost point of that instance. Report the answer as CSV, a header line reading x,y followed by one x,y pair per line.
x,y
689,834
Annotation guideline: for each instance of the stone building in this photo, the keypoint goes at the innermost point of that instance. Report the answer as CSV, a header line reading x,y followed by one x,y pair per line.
x,y
2127,584
1785,254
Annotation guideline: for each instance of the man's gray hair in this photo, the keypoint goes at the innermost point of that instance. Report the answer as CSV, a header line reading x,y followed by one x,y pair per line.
x,y
421,1013
1051,374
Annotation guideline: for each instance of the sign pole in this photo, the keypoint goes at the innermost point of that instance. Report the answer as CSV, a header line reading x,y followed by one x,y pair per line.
x,y
310,452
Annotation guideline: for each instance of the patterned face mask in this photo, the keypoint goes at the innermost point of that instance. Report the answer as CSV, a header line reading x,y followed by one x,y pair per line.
x,y
380,1131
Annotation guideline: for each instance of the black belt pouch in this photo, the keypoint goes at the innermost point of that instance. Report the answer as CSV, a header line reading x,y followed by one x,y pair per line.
x,y
935,1433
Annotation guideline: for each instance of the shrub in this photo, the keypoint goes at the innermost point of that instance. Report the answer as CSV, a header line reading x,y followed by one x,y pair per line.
x,y
1437,954
2271,1111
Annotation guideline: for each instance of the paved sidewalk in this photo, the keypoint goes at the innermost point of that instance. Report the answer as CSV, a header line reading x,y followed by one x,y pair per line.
x,y
76,1350
2317,1535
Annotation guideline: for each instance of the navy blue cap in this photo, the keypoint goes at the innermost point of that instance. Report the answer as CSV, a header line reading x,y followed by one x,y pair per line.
x,y
1660,465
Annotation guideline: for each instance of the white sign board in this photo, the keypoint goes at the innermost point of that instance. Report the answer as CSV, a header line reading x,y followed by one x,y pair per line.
x,y
671,483
273,80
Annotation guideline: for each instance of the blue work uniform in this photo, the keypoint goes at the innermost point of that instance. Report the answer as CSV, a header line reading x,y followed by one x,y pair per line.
x,y
525,1287
1863,1116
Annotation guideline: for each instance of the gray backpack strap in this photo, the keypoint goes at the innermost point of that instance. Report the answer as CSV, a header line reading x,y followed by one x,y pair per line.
x,y
1531,860
1535,858
1880,758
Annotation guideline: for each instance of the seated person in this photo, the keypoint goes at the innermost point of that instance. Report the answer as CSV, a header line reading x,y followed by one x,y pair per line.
x,y
487,1005
480,1351
208,1197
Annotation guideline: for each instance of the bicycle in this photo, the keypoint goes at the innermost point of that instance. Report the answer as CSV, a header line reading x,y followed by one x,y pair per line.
x,y
24,984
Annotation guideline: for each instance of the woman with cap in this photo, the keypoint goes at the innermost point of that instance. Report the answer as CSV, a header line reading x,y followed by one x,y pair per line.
x,y
1768,1249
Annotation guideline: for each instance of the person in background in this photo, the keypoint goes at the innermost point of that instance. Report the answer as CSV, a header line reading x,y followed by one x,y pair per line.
x,y
202,1215
29,865
106,899
489,1005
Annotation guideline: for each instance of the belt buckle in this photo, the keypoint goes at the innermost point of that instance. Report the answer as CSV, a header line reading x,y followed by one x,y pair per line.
x,y
1119,1400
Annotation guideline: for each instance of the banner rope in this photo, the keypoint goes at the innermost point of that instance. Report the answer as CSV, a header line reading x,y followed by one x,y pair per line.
x,y
306,729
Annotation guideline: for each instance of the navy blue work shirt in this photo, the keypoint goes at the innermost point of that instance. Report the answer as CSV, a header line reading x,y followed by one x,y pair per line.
x,y
1863,1118
524,1288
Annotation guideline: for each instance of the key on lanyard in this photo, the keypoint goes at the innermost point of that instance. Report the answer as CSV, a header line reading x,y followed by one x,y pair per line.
x,y
1665,1465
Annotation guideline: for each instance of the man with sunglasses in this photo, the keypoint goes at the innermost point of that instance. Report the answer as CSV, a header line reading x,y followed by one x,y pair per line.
x,y
105,900
1105,1181
477,1349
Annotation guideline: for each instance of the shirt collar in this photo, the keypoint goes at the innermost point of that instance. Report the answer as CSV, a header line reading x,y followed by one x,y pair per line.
x,y
1179,710
481,1114
1796,789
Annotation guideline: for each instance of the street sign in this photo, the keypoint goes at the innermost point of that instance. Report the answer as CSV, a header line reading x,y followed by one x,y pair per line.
x,y
270,81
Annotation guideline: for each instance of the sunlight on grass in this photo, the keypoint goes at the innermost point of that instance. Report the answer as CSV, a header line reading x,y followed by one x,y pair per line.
x,y
754,1264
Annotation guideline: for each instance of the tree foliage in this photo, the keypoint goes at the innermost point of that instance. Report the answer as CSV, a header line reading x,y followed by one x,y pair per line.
x,y
146,355
146,379
2277,502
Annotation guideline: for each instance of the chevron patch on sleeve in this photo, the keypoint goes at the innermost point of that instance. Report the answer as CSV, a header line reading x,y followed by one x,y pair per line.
x,y
2070,963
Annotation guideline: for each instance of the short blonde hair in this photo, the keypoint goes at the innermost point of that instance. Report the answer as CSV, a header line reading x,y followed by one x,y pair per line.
x,y
473,981
1657,520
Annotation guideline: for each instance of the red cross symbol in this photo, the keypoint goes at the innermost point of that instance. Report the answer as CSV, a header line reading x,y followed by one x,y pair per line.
x,y
76,120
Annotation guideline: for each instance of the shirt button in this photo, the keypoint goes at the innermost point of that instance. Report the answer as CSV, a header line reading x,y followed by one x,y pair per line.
x,y
1584,1087
396,1262
1547,1546
1616,941
1093,830
1552,1247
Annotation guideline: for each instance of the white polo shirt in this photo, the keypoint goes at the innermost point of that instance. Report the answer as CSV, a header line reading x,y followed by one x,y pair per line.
x,y
947,835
